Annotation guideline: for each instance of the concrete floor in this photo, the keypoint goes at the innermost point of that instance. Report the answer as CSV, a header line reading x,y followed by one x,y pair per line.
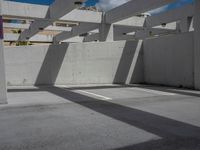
x,y
104,117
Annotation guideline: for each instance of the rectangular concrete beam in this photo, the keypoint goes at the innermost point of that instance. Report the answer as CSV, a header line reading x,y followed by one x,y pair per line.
x,y
122,32
39,38
132,8
76,30
197,45
32,11
170,16
56,10
34,28
26,26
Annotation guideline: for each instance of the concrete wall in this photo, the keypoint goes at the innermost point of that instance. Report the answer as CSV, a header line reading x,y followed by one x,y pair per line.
x,y
169,60
78,63
197,45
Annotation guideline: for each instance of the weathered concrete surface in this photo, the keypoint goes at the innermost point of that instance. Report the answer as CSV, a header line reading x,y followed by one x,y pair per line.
x,y
169,60
136,118
88,63
3,96
197,45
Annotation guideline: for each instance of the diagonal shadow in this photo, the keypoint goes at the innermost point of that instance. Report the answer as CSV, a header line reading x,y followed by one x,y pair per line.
x,y
128,63
51,65
166,144
158,125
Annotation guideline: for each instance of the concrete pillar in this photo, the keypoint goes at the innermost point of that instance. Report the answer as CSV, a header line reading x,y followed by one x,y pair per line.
x,y
106,31
184,24
197,45
3,90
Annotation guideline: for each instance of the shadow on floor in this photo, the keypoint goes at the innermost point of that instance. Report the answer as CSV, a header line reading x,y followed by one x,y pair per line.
x,y
166,144
161,126
174,133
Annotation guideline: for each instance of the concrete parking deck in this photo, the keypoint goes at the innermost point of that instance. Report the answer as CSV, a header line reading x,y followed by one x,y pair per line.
x,y
100,117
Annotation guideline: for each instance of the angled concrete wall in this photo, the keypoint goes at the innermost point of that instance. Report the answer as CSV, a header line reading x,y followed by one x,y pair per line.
x,y
169,60
78,63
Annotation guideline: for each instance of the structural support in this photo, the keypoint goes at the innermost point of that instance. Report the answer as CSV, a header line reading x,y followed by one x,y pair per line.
x,y
170,16
197,45
133,8
3,91
76,31
132,32
57,10
105,31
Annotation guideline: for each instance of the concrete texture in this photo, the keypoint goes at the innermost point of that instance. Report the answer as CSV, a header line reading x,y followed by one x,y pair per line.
x,y
197,45
135,118
88,63
169,60
3,94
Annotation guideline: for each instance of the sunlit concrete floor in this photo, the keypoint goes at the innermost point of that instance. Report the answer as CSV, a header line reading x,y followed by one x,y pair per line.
x,y
102,117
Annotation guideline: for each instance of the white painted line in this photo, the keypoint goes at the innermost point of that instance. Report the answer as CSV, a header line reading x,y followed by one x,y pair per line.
x,y
96,95
155,92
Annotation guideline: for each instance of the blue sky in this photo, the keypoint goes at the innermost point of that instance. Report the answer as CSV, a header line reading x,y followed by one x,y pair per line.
x,y
93,2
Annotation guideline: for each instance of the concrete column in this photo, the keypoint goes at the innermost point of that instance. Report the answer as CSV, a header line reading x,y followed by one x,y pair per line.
x,y
184,24
197,45
106,31
3,90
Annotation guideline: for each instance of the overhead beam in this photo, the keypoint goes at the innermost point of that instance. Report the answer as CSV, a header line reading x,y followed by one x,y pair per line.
x,y
24,10
170,16
58,9
26,26
11,37
132,8
126,32
76,30
32,11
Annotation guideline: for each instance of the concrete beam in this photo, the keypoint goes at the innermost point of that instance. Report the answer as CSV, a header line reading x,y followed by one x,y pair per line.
x,y
184,25
26,26
170,16
32,11
76,30
197,45
23,10
39,38
34,28
122,32
57,10
3,90
132,8
92,37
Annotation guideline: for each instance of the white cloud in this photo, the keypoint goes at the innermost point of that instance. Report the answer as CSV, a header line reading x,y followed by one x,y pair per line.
x,y
106,5
158,10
